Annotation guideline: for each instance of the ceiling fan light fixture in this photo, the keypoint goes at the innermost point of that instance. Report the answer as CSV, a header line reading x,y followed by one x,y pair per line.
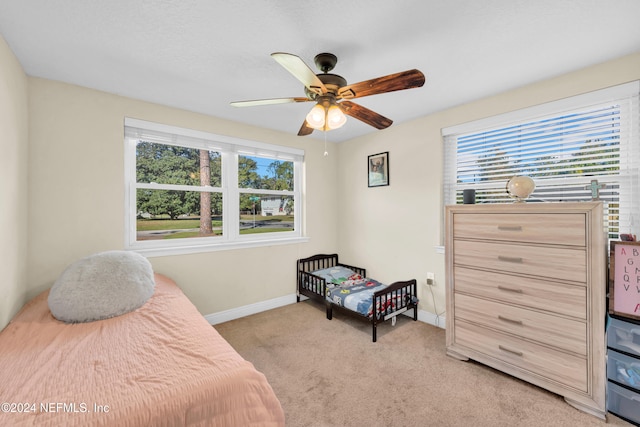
x,y
316,117
326,88
335,117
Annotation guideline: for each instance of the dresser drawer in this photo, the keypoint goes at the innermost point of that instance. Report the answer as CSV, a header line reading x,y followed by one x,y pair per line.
x,y
623,369
552,262
561,229
562,367
569,300
551,330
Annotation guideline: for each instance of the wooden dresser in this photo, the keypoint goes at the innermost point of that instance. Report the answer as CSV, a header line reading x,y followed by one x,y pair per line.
x,y
526,292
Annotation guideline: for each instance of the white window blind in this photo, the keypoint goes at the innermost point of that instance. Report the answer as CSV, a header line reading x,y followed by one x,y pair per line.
x,y
563,146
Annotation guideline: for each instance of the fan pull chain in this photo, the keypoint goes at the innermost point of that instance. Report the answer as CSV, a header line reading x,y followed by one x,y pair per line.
x,y
326,153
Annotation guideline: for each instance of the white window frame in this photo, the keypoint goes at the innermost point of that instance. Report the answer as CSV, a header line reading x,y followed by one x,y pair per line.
x,y
629,163
230,148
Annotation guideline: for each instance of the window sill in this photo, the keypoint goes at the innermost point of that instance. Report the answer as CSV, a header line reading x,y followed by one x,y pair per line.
x,y
149,251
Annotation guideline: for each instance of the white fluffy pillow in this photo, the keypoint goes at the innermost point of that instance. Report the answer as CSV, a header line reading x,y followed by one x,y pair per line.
x,y
101,286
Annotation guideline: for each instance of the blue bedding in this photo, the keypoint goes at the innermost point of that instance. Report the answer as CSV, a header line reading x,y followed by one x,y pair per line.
x,y
356,295
352,291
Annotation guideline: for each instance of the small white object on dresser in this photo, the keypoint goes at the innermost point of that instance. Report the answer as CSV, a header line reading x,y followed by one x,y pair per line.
x,y
526,294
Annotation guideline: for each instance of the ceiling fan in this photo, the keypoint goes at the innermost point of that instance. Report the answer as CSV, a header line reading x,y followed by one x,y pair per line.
x,y
326,89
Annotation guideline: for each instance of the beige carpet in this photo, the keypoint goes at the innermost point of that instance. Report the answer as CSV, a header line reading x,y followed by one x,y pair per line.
x,y
329,373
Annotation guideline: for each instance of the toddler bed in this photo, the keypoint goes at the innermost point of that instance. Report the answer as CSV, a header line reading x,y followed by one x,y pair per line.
x,y
162,364
345,287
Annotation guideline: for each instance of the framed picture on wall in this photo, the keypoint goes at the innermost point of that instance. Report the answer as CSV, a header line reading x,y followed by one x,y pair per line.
x,y
378,169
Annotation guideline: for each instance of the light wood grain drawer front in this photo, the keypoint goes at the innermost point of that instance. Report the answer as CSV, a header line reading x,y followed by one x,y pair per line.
x,y
539,294
552,262
547,329
561,229
554,364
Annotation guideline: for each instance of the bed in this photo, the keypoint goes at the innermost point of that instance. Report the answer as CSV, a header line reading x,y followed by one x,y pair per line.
x,y
347,288
160,365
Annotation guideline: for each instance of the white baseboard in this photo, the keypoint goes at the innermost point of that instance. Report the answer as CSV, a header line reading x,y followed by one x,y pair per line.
x,y
248,310
432,319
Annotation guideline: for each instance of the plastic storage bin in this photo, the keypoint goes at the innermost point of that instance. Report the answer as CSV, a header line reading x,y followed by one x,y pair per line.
x,y
623,336
623,369
624,403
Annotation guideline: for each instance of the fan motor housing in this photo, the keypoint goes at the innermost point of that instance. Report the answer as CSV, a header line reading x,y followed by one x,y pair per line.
x,y
332,82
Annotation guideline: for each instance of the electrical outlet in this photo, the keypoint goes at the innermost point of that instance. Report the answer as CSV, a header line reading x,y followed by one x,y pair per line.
x,y
431,278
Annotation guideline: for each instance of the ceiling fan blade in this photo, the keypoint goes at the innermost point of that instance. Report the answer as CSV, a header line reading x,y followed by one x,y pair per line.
x,y
398,81
365,115
305,129
300,71
268,101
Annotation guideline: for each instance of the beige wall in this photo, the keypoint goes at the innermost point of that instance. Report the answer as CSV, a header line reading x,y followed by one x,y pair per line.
x,y
75,193
77,197
393,231
13,184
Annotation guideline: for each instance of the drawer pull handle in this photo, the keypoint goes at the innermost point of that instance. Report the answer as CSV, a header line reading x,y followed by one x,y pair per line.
x,y
510,259
510,227
506,319
517,353
517,291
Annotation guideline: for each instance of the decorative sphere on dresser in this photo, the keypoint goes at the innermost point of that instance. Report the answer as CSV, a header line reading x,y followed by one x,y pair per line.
x,y
520,187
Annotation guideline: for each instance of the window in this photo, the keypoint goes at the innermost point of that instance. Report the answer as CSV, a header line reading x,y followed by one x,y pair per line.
x,y
566,146
266,188
191,191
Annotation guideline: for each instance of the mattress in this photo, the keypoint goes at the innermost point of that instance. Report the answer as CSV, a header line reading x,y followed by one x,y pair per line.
x,y
350,290
160,365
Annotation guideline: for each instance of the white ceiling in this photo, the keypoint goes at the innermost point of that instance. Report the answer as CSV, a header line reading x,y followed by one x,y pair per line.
x,y
199,55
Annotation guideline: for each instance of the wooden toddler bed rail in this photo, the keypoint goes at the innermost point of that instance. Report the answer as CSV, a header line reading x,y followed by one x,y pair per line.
x,y
386,303
313,286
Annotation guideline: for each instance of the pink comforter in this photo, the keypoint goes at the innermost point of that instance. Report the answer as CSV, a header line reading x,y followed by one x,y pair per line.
x,y
161,365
